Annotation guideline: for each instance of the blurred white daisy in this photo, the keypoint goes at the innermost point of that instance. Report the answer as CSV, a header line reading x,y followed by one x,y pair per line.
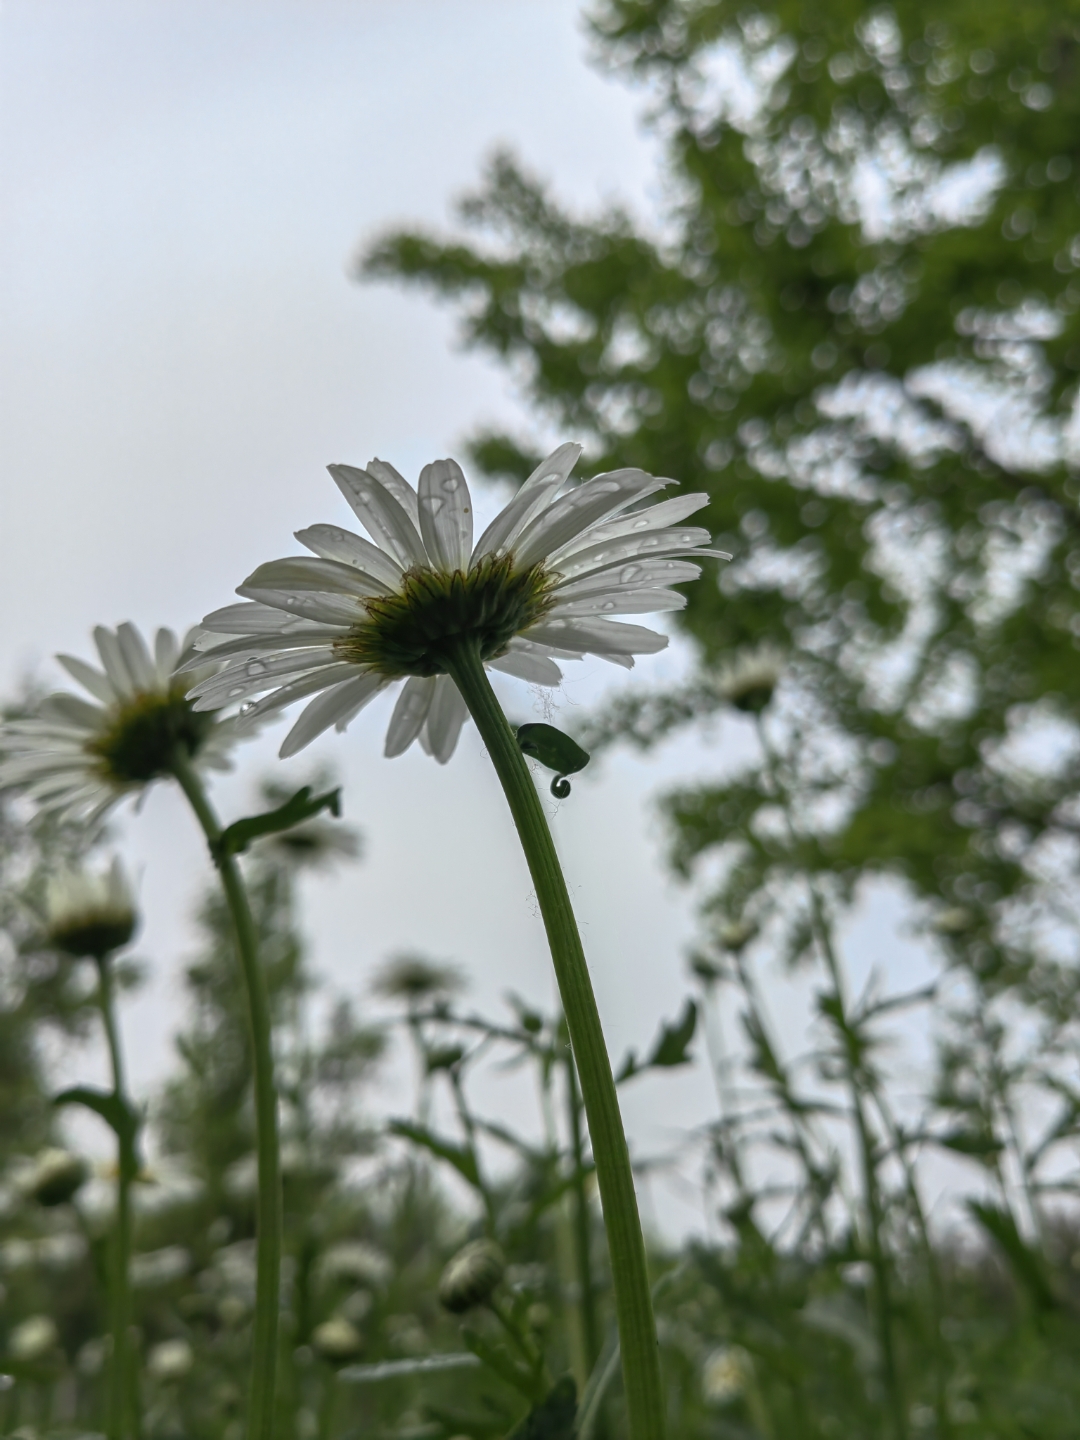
x,y
88,914
79,759
748,681
541,584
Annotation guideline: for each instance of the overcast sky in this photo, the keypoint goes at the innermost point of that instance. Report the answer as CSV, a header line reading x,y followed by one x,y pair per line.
x,y
182,186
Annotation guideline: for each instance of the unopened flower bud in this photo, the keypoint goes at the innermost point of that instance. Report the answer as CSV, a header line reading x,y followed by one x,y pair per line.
x,y
726,1374
337,1340
748,681
56,1177
953,921
170,1361
735,934
471,1276
34,1339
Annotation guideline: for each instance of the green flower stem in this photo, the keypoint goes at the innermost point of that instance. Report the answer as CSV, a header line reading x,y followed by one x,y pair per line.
x,y
123,1407
261,1407
590,1326
626,1245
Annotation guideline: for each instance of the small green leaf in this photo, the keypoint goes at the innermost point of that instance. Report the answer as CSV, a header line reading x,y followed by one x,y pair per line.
x,y
969,1142
553,1418
122,1119
456,1155
669,1050
554,750
302,806
1027,1263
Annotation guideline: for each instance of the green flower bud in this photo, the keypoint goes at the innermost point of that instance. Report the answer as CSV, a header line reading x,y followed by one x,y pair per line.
x,y
471,1276
57,1176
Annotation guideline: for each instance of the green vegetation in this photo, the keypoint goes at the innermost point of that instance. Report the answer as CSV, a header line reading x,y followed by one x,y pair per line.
x,y
856,328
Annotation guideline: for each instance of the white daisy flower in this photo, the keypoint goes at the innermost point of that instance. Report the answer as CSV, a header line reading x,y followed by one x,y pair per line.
x,y
540,585
748,681
79,759
89,914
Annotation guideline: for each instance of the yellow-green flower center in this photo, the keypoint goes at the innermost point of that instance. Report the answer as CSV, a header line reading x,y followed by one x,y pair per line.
x,y
140,740
409,633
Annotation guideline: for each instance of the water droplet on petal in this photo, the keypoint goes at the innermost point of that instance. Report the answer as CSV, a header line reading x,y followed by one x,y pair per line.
x,y
610,605
255,667
247,708
641,525
450,484
236,690
628,573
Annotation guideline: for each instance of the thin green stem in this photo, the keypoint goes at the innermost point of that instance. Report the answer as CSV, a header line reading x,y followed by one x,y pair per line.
x,y
261,1409
626,1245
590,1328
856,1078
123,1408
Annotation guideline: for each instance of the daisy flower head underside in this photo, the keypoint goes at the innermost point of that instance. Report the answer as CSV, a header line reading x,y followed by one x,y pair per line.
x,y
78,758
540,585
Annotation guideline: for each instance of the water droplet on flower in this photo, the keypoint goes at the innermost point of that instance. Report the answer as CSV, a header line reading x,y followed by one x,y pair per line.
x,y
450,484
610,605
236,690
247,707
255,667
641,525
628,573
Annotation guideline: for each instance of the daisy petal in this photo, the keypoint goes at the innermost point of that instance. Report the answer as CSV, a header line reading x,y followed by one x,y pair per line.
x,y
296,690
536,669
446,514
113,660
317,635
607,637
136,656
248,676
447,715
530,647
90,679
630,547
393,481
410,713
166,653
299,572
654,517
544,482
311,608
74,711
663,571
331,542
620,602
380,514
247,618
593,501
337,705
